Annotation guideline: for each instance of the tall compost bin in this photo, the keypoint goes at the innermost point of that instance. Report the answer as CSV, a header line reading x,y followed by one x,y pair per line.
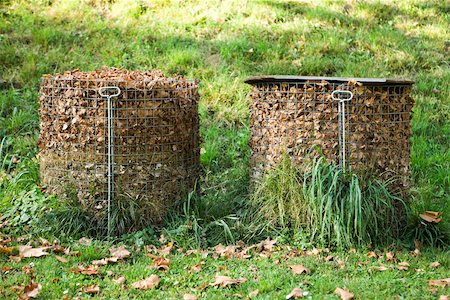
x,y
122,144
364,124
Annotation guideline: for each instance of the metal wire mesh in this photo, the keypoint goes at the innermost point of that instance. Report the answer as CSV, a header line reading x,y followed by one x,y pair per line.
x,y
293,117
155,141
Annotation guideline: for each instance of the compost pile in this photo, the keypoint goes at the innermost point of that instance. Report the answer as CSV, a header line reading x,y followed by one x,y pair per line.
x,y
292,118
155,142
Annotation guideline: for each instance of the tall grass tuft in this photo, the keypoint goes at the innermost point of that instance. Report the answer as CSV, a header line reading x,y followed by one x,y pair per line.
x,y
329,206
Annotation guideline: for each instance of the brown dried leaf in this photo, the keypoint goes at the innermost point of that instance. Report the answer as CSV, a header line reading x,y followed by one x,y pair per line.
x,y
440,282
435,264
189,297
197,268
390,256
431,216
119,280
443,297
32,290
89,270
299,269
147,283
372,254
224,281
61,259
28,251
161,263
15,259
380,268
403,266
344,293
119,252
85,241
295,293
91,289
253,294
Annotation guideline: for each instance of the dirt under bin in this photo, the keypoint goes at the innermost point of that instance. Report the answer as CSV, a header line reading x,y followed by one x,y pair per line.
x,y
154,142
292,114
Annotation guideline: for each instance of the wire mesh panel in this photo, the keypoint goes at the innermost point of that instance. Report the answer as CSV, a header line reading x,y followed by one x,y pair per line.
x,y
154,142
293,114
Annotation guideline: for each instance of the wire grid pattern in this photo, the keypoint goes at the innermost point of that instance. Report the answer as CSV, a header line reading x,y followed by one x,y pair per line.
x,y
293,117
155,141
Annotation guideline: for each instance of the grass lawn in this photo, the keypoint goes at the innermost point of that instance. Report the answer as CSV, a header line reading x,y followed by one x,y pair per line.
x,y
220,43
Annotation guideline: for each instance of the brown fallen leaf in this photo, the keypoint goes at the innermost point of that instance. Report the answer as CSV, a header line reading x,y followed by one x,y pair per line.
x,y
299,269
380,268
435,264
390,256
89,270
15,259
119,280
403,266
189,297
6,269
85,241
197,268
6,250
253,294
147,283
440,282
32,290
91,289
61,259
329,258
295,293
431,216
28,251
225,281
105,261
344,293
443,297
119,252
266,245
161,263
372,254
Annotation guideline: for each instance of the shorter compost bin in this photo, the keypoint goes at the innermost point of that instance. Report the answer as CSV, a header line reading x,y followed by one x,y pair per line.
x,y
292,114
128,157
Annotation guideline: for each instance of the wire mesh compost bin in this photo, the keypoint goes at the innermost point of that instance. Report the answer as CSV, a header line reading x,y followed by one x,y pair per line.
x,y
122,144
363,123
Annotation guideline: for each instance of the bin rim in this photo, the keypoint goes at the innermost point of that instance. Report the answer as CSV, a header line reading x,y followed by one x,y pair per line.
x,y
303,79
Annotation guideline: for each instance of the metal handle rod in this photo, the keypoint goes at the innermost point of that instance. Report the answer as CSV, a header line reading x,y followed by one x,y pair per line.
x,y
341,108
104,93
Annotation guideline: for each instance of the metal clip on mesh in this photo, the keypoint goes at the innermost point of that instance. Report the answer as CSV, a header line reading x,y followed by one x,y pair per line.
x,y
336,95
108,92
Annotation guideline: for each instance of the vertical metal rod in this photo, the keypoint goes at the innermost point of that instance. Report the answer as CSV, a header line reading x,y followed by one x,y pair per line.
x,y
116,92
341,111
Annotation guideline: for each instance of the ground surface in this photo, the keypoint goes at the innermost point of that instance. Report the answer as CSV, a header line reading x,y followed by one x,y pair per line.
x,y
220,43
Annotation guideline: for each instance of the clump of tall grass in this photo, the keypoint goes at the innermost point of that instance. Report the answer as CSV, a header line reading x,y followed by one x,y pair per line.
x,y
329,206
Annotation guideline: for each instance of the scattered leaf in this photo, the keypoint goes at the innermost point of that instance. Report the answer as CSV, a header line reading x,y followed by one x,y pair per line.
x,y
189,297
390,256
28,251
344,293
147,283
161,263
91,289
431,216
89,270
85,241
443,297
435,264
299,269
295,293
119,280
372,254
403,266
197,268
253,294
119,252
32,290
6,269
329,258
440,282
61,259
380,268
15,259
225,281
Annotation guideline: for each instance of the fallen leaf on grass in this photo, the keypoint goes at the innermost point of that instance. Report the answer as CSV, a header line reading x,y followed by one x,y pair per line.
x,y
197,268
329,258
28,251
440,282
189,297
253,294
435,264
32,290
225,281
105,261
372,254
85,241
89,270
91,289
119,252
6,269
147,283
15,259
299,269
266,245
431,216
443,297
380,268
119,280
295,293
390,256
161,263
403,266
61,259
344,294
6,250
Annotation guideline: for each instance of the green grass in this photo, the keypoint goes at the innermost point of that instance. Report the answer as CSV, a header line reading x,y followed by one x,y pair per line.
x,y
220,43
